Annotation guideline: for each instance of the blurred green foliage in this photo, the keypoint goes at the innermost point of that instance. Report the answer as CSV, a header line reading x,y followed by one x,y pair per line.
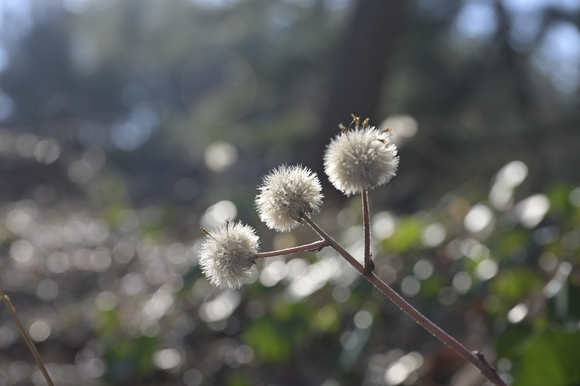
x,y
550,358
406,236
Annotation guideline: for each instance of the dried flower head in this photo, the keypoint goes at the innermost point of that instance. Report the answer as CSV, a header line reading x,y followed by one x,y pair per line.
x,y
288,194
361,158
227,254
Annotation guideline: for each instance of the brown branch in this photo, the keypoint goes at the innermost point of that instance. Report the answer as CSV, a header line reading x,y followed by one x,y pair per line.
x,y
368,264
31,347
485,369
312,247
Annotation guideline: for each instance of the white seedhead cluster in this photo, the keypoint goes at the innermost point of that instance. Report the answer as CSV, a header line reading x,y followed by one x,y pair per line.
x,y
227,254
287,195
356,160
360,159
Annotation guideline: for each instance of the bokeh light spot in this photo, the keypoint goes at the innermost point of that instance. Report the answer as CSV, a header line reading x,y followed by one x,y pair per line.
x,y
532,210
462,282
363,319
47,289
106,301
25,145
80,172
518,313
167,359
39,331
486,269
478,218
219,156
22,251
410,286
383,225
218,213
423,269
433,235
192,377
47,151
402,127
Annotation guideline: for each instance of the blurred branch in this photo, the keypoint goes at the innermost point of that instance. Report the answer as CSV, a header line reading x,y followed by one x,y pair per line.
x,y
31,347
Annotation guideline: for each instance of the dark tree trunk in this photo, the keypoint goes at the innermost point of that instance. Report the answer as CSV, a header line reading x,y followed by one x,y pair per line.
x,y
358,70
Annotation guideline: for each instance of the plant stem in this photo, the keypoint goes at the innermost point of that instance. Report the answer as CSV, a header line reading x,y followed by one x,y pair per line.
x,y
367,231
486,370
336,246
31,347
312,247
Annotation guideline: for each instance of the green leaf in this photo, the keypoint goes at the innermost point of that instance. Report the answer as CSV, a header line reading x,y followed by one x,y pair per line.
x,y
550,359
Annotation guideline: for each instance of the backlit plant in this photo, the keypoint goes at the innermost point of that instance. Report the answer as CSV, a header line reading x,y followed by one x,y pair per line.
x,y
357,160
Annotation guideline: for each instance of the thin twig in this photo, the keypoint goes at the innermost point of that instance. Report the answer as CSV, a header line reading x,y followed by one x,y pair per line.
x,y
312,247
486,370
367,231
31,347
336,246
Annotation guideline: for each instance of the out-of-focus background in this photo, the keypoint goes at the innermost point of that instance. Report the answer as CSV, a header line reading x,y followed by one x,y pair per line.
x,y
125,125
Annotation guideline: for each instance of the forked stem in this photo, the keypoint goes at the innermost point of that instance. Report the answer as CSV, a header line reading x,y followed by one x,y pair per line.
x,y
312,247
22,331
486,370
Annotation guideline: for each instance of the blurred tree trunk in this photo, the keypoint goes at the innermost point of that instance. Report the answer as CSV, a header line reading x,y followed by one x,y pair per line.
x,y
358,72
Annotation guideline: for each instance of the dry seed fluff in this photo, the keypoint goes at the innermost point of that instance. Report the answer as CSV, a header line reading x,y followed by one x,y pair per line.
x,y
360,159
287,195
227,254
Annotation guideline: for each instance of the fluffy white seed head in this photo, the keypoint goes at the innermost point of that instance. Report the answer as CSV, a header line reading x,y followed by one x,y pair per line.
x,y
360,159
227,254
287,195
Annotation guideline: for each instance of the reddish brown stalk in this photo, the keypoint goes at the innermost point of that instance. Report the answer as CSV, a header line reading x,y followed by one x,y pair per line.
x,y
312,247
485,369
367,232
27,340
